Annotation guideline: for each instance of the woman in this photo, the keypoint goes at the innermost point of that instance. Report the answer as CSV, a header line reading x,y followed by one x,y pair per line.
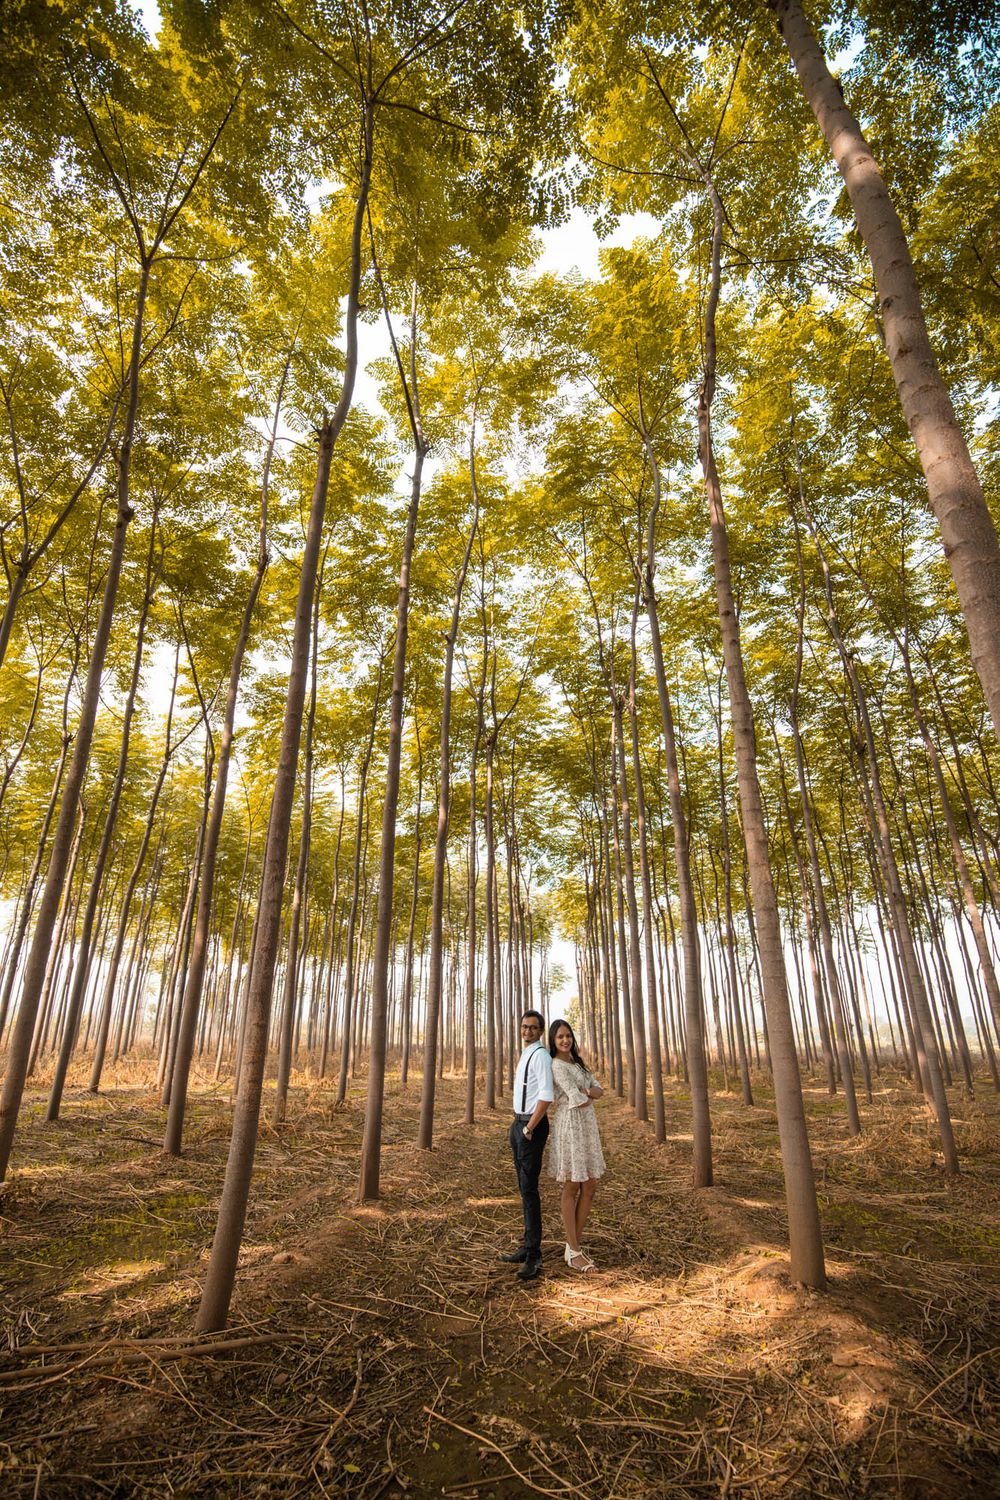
x,y
575,1156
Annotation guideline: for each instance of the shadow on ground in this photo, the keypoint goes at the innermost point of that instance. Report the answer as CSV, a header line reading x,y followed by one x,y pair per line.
x,y
382,1350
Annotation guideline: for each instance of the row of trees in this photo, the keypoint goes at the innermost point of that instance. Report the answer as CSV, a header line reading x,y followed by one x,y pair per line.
x,y
654,642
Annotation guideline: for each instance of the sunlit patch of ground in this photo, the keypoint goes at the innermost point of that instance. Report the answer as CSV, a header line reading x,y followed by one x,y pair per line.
x,y
382,1349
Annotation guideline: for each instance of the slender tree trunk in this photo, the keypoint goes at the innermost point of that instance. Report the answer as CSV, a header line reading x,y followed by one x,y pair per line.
x,y
953,485
111,817
927,1052
406,1005
623,959
199,946
352,943
15,948
62,948
640,1102
296,960
805,1233
34,974
104,1020
425,1133
822,915
471,945
648,915
727,936
217,1293
609,977
336,925
987,968
172,1033
694,1025
491,952
371,1145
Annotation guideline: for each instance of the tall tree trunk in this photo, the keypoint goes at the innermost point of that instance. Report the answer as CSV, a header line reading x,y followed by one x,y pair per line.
x,y
648,913
471,945
406,1004
805,1233
987,968
371,1145
110,818
640,1102
822,915
953,485
104,1019
218,1289
694,1026
491,951
336,924
352,943
923,1025
13,958
621,928
34,973
425,1133
727,937
295,966
614,1039
199,946
172,1032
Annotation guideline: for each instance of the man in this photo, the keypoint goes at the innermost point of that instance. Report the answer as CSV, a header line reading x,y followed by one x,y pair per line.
x,y
533,1092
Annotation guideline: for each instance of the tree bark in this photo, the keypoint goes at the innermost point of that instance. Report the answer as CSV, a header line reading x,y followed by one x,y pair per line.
x,y
104,1019
199,946
34,974
352,939
640,1103
805,1233
694,1025
295,963
648,912
220,1277
923,1024
110,818
406,1003
822,915
425,1133
371,1145
953,485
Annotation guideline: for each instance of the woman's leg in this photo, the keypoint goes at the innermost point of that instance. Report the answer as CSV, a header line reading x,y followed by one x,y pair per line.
x,y
586,1198
568,1205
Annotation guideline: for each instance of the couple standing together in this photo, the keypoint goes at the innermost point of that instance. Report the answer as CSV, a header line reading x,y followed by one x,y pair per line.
x,y
546,1075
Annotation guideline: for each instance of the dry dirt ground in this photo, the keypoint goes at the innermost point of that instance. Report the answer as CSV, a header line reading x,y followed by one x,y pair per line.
x,y
384,1351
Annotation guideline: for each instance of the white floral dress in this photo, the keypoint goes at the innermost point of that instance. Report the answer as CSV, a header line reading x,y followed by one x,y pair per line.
x,y
575,1153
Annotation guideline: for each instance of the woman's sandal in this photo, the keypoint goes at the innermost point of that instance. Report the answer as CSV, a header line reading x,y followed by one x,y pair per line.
x,y
578,1260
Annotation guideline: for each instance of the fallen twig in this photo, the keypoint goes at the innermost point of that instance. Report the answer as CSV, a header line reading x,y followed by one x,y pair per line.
x,y
478,1437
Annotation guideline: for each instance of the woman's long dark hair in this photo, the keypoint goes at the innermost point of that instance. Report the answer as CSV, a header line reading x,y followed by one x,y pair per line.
x,y
574,1051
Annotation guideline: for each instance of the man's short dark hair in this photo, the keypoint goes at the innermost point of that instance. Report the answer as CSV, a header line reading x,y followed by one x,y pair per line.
x,y
537,1016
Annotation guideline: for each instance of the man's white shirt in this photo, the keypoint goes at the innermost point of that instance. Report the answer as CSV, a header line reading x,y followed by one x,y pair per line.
x,y
535,1067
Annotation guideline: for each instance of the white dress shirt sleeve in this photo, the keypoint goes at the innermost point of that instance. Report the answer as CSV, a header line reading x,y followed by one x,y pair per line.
x,y
546,1087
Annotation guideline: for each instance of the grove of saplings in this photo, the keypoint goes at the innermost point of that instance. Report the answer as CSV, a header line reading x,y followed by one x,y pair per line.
x,y
651,616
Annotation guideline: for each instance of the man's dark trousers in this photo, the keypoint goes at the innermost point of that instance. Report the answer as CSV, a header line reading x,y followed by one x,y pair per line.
x,y
528,1166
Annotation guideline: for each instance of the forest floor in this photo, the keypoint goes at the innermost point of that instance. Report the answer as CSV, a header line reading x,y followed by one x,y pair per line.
x,y
386,1352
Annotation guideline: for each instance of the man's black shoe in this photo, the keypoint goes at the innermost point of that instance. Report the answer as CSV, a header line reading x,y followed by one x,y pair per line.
x,y
530,1269
514,1257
